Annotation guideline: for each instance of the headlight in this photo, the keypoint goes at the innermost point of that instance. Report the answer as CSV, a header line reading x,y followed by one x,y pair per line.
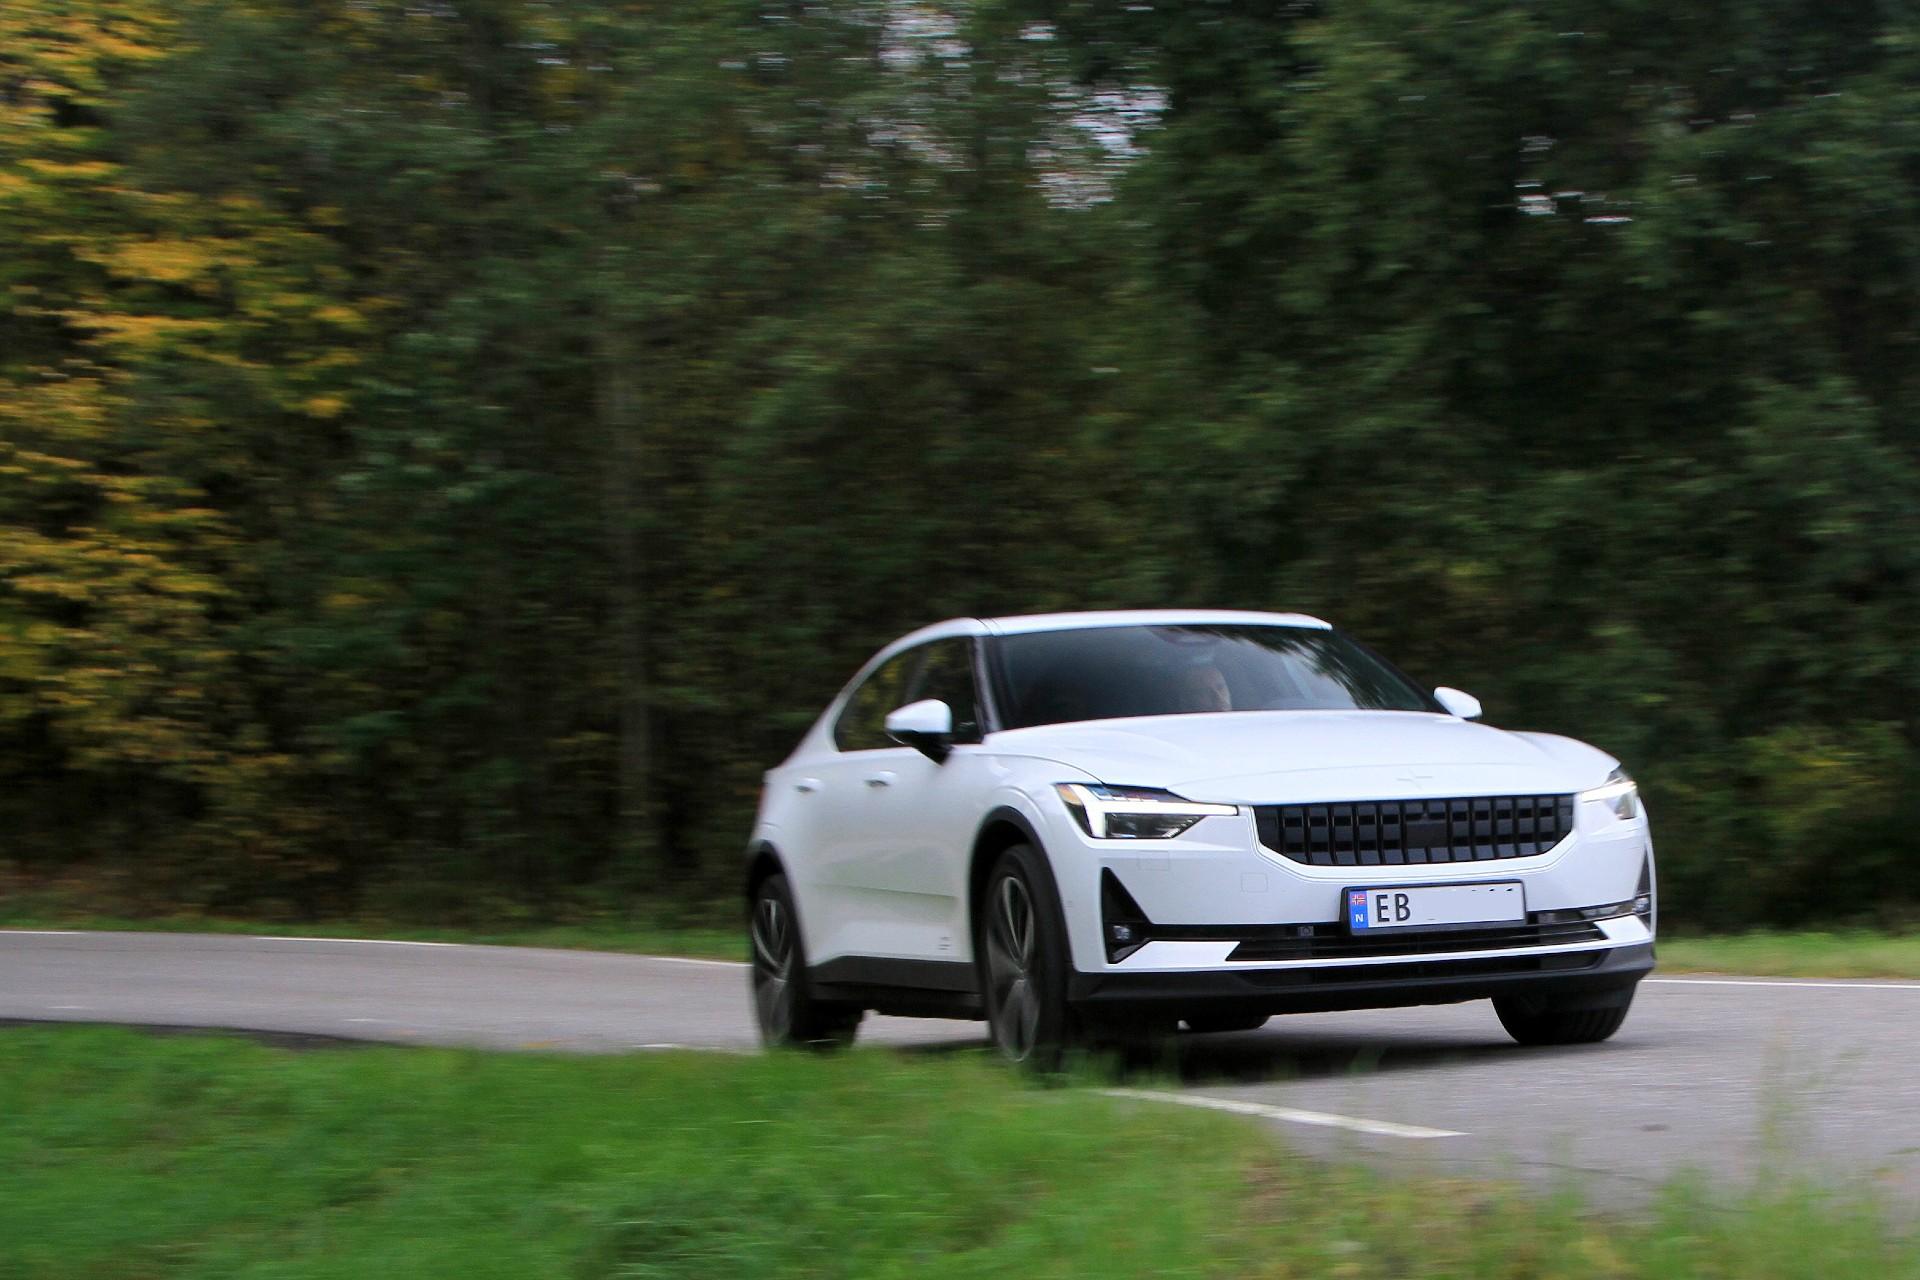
x,y
1618,793
1134,813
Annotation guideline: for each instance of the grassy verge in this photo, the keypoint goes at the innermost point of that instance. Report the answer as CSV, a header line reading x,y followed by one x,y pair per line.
x,y
1848,954
720,942
124,1155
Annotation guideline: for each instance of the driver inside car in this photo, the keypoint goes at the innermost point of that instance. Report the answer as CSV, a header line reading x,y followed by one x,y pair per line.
x,y
1204,688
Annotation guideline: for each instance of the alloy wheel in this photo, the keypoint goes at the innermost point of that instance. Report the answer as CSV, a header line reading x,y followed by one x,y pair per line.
x,y
1011,953
773,968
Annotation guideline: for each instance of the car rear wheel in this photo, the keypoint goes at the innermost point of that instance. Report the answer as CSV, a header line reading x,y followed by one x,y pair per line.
x,y
1023,962
784,1005
1537,1022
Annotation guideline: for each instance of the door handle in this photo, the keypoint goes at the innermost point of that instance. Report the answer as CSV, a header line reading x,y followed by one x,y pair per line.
x,y
880,779
807,786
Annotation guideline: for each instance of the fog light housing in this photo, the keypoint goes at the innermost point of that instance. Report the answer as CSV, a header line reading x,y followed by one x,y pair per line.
x,y
1124,927
1577,915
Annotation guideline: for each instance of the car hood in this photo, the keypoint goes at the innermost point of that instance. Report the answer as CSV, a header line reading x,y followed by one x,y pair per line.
x,y
1271,757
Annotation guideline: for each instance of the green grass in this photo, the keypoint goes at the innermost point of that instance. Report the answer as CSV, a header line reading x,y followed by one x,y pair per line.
x,y
723,942
1848,954
703,928
125,1155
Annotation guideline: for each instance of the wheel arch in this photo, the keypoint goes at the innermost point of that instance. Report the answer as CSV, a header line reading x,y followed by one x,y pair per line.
x,y
762,861
999,831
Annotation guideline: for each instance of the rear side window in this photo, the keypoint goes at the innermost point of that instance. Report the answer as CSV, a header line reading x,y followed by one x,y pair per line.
x,y
940,669
862,725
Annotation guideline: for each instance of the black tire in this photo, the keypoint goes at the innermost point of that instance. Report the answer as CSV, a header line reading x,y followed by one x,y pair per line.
x,y
1535,1022
1022,953
784,1006
1204,1025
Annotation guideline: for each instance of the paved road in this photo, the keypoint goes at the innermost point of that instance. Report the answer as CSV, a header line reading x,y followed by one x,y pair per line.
x,y
1735,1077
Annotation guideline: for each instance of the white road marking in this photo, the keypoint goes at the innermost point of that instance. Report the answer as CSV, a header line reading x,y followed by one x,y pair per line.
x,y
371,942
1788,982
732,1051
723,964
1292,1115
44,933
403,942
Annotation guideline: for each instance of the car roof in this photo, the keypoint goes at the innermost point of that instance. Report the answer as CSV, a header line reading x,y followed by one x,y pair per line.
x,y
1148,617
1027,623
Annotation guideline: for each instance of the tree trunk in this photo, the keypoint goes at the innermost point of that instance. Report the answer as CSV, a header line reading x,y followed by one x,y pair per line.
x,y
617,404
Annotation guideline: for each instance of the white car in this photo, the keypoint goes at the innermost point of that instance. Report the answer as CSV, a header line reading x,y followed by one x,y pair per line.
x,y
1076,825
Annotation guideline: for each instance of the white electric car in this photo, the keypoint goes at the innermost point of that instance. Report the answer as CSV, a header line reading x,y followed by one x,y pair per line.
x,y
1077,825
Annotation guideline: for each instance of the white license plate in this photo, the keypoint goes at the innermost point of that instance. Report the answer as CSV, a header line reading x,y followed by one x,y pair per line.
x,y
1435,906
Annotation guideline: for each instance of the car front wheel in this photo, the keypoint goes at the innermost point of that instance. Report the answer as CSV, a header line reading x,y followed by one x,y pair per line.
x,y
1023,961
1538,1022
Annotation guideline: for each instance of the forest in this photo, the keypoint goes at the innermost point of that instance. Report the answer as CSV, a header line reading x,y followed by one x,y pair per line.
x,y
450,448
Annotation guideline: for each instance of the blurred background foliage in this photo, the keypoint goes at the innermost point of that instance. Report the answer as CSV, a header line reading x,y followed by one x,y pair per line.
x,y
448,449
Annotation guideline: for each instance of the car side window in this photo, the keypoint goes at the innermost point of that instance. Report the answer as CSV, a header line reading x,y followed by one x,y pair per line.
x,y
862,725
947,675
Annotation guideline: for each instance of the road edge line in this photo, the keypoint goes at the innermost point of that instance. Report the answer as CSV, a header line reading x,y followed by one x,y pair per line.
x,y
1813,984
1290,1115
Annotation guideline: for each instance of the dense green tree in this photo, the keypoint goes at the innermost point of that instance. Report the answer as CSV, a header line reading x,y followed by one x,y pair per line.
x,y
1574,348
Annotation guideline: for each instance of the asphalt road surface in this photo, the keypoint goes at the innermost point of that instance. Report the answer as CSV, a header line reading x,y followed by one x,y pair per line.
x,y
1736,1078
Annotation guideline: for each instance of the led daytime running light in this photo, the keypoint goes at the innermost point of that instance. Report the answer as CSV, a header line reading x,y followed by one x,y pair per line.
x,y
1095,806
1618,793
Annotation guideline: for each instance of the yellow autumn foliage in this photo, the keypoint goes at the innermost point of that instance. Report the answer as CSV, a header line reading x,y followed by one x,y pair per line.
x,y
169,260
109,565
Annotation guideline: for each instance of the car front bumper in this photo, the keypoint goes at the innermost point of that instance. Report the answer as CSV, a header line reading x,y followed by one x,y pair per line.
x,y
1571,980
1230,922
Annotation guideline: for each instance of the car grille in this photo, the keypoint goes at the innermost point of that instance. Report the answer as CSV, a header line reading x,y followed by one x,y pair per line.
x,y
1399,832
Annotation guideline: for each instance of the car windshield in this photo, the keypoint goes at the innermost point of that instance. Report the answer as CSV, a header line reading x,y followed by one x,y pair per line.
x,y
1100,673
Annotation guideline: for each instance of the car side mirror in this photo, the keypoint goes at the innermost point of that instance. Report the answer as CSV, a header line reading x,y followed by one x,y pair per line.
x,y
926,726
1464,705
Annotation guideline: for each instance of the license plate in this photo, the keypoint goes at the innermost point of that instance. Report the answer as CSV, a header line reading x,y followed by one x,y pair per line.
x,y
1437,906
